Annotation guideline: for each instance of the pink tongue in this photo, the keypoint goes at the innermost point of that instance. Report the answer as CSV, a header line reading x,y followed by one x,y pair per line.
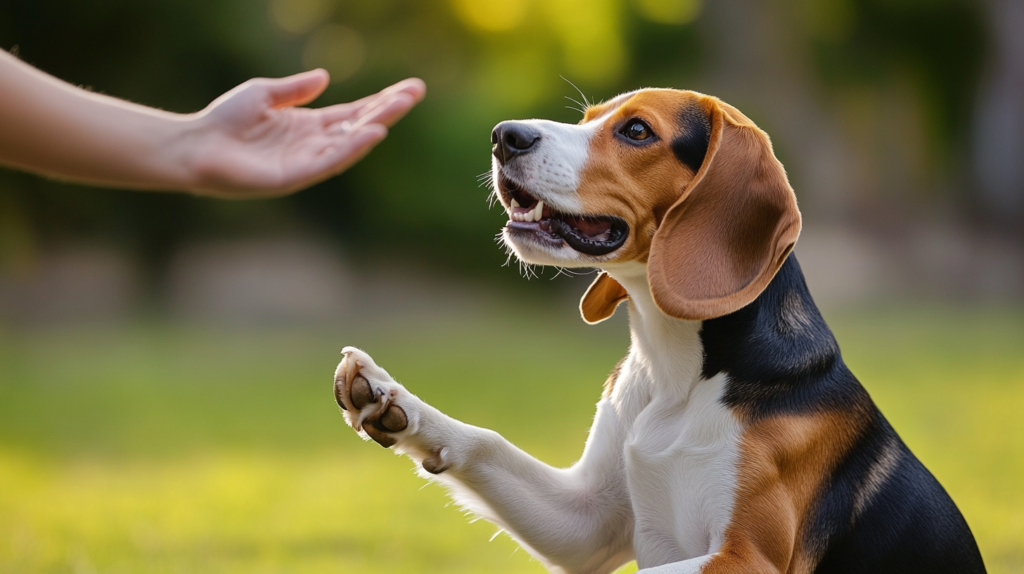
x,y
590,228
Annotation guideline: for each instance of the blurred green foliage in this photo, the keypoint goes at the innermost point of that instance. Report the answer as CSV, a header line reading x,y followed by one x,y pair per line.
x,y
484,61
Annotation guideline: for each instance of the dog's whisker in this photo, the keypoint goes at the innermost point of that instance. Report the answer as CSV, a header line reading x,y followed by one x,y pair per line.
x,y
565,271
579,107
500,240
586,102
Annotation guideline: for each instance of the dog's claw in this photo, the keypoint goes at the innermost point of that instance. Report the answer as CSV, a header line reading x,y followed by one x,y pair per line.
x,y
339,391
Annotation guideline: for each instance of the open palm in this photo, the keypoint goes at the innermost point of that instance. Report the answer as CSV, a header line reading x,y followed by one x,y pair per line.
x,y
254,142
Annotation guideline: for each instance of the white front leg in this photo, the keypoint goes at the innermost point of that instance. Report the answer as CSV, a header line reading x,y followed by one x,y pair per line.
x,y
574,520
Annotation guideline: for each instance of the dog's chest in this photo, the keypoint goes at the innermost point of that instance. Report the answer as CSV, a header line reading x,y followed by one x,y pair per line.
x,y
681,459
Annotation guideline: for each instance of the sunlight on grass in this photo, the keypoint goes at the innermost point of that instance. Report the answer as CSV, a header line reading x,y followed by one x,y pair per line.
x,y
157,448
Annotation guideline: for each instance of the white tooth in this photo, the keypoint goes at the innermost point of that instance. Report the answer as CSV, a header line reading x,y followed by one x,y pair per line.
x,y
538,211
528,216
515,203
516,216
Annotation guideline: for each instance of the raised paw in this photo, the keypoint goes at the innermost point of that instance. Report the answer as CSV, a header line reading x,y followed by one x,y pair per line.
x,y
369,397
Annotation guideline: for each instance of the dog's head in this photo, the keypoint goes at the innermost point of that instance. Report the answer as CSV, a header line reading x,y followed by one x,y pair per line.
x,y
679,181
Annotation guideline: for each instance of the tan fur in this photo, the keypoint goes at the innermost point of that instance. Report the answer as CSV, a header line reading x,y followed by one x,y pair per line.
x,y
784,462
639,184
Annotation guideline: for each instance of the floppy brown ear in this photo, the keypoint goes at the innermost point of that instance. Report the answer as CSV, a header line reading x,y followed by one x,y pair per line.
x,y
724,239
601,299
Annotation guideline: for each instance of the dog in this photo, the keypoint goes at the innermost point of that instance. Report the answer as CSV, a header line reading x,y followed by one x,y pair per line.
x,y
732,438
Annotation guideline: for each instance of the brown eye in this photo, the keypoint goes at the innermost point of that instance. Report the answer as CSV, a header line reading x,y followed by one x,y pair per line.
x,y
636,130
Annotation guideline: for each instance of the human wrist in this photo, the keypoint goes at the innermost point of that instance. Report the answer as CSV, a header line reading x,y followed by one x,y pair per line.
x,y
187,143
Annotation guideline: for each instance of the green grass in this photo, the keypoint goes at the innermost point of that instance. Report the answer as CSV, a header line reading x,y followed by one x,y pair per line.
x,y
156,448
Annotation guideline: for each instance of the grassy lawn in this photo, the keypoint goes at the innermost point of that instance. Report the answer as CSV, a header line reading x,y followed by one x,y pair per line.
x,y
159,448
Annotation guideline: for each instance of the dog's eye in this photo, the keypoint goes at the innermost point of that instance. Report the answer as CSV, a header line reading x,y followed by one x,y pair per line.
x,y
636,130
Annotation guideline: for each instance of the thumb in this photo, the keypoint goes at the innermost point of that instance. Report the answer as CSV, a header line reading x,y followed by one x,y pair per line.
x,y
298,89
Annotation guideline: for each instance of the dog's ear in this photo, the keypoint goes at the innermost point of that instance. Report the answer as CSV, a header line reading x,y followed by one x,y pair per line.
x,y
601,299
723,240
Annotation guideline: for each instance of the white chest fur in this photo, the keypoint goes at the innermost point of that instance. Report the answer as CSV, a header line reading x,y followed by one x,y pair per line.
x,y
681,468
681,443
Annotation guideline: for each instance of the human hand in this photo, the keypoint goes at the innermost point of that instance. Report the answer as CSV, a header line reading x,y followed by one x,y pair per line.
x,y
252,141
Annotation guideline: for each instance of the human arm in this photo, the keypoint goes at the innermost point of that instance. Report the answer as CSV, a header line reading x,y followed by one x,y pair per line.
x,y
250,142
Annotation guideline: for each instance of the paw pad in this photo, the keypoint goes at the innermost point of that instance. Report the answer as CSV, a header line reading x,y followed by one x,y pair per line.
x,y
360,392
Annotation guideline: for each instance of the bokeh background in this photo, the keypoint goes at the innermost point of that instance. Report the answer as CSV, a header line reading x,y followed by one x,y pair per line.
x,y
165,360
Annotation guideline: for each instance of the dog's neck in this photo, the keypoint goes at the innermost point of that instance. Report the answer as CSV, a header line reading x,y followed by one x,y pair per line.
x,y
668,348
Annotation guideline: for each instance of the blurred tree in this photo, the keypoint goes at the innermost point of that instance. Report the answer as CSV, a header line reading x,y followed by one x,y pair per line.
x,y
999,119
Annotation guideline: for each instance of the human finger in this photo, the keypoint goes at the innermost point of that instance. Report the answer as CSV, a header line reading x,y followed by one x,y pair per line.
x,y
298,89
386,112
413,87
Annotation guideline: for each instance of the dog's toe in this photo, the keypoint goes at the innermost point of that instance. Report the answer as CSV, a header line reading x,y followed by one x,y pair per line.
x,y
361,393
394,419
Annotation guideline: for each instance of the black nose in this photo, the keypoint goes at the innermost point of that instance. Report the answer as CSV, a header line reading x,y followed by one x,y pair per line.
x,y
510,139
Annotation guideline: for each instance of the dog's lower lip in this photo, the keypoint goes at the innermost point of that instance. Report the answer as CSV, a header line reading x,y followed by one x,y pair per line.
x,y
535,231
617,232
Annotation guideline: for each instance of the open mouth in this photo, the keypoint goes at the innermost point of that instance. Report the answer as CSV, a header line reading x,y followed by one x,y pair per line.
x,y
588,234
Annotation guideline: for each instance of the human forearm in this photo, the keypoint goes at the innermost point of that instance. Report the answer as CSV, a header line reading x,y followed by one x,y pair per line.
x,y
55,129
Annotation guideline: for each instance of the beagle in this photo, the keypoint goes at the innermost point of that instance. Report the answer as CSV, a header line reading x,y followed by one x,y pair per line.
x,y
732,438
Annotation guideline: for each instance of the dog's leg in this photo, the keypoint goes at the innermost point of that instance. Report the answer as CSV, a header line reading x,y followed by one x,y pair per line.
x,y
574,520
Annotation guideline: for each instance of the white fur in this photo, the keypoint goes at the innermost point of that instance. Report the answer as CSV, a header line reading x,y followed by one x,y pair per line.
x,y
657,477
682,452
